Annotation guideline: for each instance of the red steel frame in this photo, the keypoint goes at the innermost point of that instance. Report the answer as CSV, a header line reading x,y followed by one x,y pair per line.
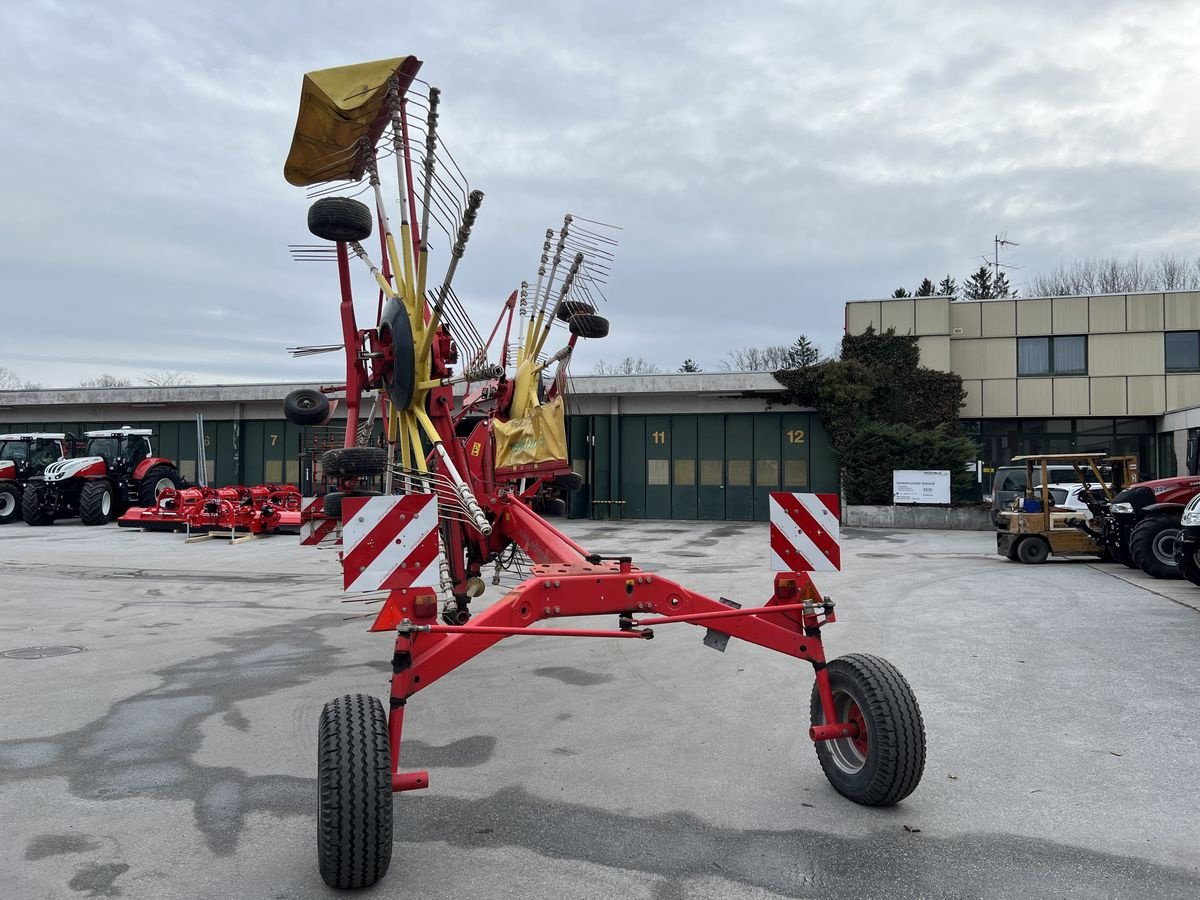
x,y
567,580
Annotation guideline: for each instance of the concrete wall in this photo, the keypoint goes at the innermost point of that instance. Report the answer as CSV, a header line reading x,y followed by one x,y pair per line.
x,y
957,518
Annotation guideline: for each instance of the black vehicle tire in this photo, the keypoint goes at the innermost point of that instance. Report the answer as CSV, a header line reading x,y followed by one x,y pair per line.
x,y
306,407
588,326
569,309
155,481
346,462
1120,553
354,791
884,766
1033,550
1152,546
340,219
572,481
1012,551
97,502
33,504
10,503
1188,563
332,503
549,506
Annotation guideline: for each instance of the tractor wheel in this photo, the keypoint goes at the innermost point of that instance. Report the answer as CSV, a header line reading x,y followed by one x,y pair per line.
x,y
1188,563
883,765
354,788
569,309
586,326
157,480
10,503
96,502
33,504
549,506
1120,553
1033,550
306,407
340,219
1152,546
572,481
332,503
347,462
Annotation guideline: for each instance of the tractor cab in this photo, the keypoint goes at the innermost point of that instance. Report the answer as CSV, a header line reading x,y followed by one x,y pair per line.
x,y
121,449
28,453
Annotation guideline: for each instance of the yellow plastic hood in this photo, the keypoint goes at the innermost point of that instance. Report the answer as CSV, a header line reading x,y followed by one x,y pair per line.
x,y
339,107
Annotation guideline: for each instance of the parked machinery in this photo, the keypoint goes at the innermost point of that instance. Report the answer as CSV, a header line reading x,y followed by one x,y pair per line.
x,y
1145,522
24,456
117,469
1032,527
459,478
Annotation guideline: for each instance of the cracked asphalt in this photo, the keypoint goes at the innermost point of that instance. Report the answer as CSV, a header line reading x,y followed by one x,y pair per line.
x,y
174,755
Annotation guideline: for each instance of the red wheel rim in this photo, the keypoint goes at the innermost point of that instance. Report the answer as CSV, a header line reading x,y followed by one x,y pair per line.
x,y
855,717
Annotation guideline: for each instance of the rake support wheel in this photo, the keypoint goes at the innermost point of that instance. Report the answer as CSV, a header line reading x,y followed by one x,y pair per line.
x,y
306,407
883,765
340,219
351,462
354,792
569,309
588,326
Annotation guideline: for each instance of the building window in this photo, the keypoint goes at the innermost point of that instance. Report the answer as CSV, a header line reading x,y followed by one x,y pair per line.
x,y
1052,355
1183,351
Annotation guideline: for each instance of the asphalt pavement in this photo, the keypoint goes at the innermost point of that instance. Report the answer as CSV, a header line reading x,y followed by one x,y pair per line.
x,y
162,743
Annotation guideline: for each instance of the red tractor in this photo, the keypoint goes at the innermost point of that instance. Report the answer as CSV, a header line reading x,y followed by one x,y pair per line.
x,y
1145,522
117,470
23,456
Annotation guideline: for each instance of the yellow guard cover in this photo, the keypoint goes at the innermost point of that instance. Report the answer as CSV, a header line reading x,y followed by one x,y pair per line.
x,y
538,437
338,107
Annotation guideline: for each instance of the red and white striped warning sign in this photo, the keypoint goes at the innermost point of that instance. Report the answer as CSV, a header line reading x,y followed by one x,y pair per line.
x,y
390,542
314,528
805,533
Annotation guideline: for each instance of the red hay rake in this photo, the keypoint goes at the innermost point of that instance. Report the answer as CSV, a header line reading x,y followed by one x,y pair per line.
x,y
460,479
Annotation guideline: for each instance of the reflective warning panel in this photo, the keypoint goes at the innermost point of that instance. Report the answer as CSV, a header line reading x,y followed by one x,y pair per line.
x,y
805,533
390,542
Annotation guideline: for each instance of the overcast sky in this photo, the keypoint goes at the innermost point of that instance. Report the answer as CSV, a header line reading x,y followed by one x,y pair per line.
x,y
767,161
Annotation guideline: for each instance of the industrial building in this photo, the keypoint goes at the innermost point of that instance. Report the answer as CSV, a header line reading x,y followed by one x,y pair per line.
x,y
1115,372
679,446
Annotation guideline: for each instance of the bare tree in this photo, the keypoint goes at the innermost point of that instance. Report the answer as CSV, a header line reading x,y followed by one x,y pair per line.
x,y
11,381
627,366
756,359
167,378
1115,276
105,380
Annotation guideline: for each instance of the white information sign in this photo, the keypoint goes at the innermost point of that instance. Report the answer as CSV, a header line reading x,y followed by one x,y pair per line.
x,y
917,486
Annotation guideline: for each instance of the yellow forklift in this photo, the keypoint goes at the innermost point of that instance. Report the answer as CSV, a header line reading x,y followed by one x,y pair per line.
x,y
1033,527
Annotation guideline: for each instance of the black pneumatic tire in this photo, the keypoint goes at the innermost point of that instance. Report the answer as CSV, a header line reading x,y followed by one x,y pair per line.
x,y
354,461
33,504
93,508
572,481
306,407
569,309
1188,563
340,219
332,504
354,792
586,326
894,759
10,503
154,482
1033,550
1152,546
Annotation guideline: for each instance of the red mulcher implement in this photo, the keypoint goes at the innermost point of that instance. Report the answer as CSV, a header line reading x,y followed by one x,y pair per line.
x,y
458,483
